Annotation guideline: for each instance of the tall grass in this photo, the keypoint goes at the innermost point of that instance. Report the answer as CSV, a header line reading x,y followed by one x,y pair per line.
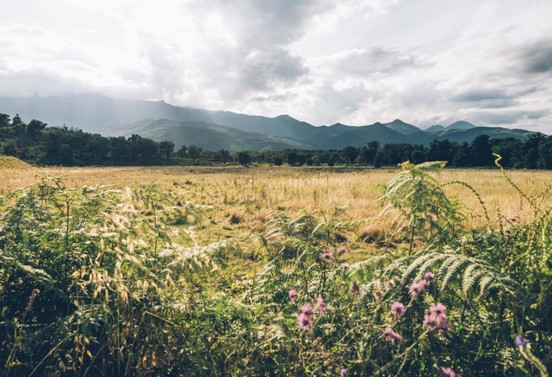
x,y
103,281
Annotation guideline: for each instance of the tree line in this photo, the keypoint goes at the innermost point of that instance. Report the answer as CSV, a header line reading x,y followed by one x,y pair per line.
x,y
37,143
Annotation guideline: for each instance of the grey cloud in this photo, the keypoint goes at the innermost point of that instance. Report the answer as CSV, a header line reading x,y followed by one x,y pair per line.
x,y
537,57
261,69
375,60
260,59
507,117
166,75
40,82
486,98
475,95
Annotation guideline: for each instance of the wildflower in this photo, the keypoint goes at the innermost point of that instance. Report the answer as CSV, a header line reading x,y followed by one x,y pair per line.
x,y
437,318
346,266
320,305
391,336
305,321
448,372
343,372
437,309
292,294
416,289
327,256
429,276
341,250
520,342
355,287
307,309
398,309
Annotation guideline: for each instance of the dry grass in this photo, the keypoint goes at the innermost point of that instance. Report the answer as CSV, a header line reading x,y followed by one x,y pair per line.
x,y
253,193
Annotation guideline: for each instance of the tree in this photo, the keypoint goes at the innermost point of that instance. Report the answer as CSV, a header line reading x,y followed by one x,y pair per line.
x,y
35,127
481,151
243,158
182,152
350,153
4,120
194,152
278,161
166,148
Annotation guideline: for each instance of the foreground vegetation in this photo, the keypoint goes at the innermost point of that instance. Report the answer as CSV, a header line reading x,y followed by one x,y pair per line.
x,y
110,280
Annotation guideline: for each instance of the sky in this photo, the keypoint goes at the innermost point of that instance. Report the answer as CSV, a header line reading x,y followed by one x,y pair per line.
x,y
321,61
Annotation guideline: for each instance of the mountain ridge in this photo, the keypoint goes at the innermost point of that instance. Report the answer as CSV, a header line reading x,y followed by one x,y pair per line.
x,y
101,114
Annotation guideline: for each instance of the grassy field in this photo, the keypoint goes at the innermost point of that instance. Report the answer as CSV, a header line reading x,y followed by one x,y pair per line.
x,y
251,193
274,271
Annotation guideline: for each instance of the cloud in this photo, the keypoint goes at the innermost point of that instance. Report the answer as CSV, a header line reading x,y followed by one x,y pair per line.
x,y
507,117
537,57
363,62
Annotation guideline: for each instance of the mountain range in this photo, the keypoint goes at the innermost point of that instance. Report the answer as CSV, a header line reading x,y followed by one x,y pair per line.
x,y
215,130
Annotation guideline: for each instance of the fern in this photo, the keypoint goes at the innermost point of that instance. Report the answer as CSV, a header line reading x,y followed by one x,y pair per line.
x,y
470,273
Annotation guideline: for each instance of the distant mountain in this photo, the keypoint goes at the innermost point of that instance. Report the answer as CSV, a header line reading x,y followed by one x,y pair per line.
x,y
435,128
460,125
360,136
467,135
223,129
402,127
210,136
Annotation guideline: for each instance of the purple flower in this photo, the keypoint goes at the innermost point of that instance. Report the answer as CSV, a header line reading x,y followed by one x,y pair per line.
x,y
343,372
448,372
341,250
320,305
346,266
398,309
520,342
429,276
391,336
305,321
416,289
292,294
437,309
437,317
327,256
307,309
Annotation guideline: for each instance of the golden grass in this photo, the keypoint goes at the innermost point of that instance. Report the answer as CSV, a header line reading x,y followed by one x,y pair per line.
x,y
10,162
251,194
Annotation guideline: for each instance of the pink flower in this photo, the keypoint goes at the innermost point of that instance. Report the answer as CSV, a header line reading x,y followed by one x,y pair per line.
x,y
437,318
346,266
307,309
391,336
398,309
292,294
437,309
305,321
320,305
416,289
327,256
429,276
448,372
341,250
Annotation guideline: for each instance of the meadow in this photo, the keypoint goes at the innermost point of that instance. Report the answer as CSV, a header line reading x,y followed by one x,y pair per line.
x,y
414,271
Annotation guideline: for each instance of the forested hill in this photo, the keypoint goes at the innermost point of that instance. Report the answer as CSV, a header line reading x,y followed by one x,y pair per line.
x,y
159,121
37,143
